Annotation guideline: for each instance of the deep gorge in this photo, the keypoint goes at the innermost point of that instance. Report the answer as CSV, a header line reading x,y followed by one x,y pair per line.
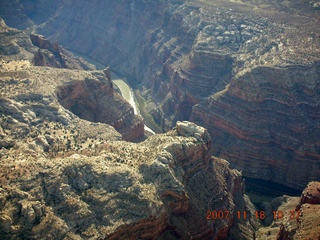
x,y
232,72
75,161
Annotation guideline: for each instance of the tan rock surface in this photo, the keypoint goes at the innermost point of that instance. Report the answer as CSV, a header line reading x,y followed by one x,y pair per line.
x,y
248,71
311,194
300,219
63,177
119,190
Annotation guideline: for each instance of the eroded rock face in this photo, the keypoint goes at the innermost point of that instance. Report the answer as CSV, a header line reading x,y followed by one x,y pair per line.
x,y
242,74
96,101
311,194
208,64
89,95
156,189
63,177
268,127
41,59
297,217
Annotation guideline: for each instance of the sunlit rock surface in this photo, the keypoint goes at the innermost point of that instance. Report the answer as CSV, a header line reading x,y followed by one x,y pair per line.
x,y
296,217
66,174
250,75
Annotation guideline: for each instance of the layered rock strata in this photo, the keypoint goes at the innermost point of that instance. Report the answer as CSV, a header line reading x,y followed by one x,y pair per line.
x,y
89,95
250,77
96,101
40,59
267,127
161,188
64,177
296,217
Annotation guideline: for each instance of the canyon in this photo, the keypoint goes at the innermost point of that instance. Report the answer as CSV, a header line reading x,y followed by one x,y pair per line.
x,y
234,80
250,76
70,168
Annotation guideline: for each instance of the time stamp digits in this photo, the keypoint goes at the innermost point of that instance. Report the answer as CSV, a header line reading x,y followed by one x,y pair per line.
x,y
225,214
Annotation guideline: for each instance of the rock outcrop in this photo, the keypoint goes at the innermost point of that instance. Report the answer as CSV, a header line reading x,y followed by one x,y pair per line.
x,y
89,95
56,60
249,76
311,194
161,188
294,217
66,174
65,177
96,101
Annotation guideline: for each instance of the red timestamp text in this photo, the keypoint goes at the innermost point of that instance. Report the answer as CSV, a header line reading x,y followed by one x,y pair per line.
x,y
277,215
294,214
213,215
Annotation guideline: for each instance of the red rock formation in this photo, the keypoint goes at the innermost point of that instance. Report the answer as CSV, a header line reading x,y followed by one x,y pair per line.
x,y
187,51
265,122
43,43
96,101
304,221
267,127
311,194
62,177
44,59
185,209
150,228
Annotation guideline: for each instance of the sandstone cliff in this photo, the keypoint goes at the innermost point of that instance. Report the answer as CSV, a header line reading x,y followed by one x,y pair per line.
x,y
58,171
297,216
267,127
161,188
96,101
65,174
89,95
249,76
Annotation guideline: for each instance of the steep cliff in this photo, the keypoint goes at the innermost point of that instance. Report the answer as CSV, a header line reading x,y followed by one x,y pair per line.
x,y
252,81
295,217
89,95
67,174
96,101
161,188
248,71
249,75
266,127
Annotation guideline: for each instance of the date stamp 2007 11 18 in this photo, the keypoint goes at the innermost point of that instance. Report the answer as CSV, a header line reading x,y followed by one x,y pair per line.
x,y
225,214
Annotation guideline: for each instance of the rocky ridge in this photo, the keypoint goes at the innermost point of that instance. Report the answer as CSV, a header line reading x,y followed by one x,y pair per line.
x,y
122,191
63,138
65,177
196,61
90,95
297,216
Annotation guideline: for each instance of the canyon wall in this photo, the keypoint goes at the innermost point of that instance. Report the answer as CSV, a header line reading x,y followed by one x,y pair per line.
x,y
89,95
198,61
267,122
96,101
66,174
297,216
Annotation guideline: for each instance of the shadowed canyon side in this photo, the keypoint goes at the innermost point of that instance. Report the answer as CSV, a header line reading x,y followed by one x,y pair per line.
x,y
266,127
250,77
196,61
96,101
66,175
299,216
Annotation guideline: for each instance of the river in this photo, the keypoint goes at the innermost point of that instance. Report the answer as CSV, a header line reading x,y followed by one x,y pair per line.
x,y
125,90
128,95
